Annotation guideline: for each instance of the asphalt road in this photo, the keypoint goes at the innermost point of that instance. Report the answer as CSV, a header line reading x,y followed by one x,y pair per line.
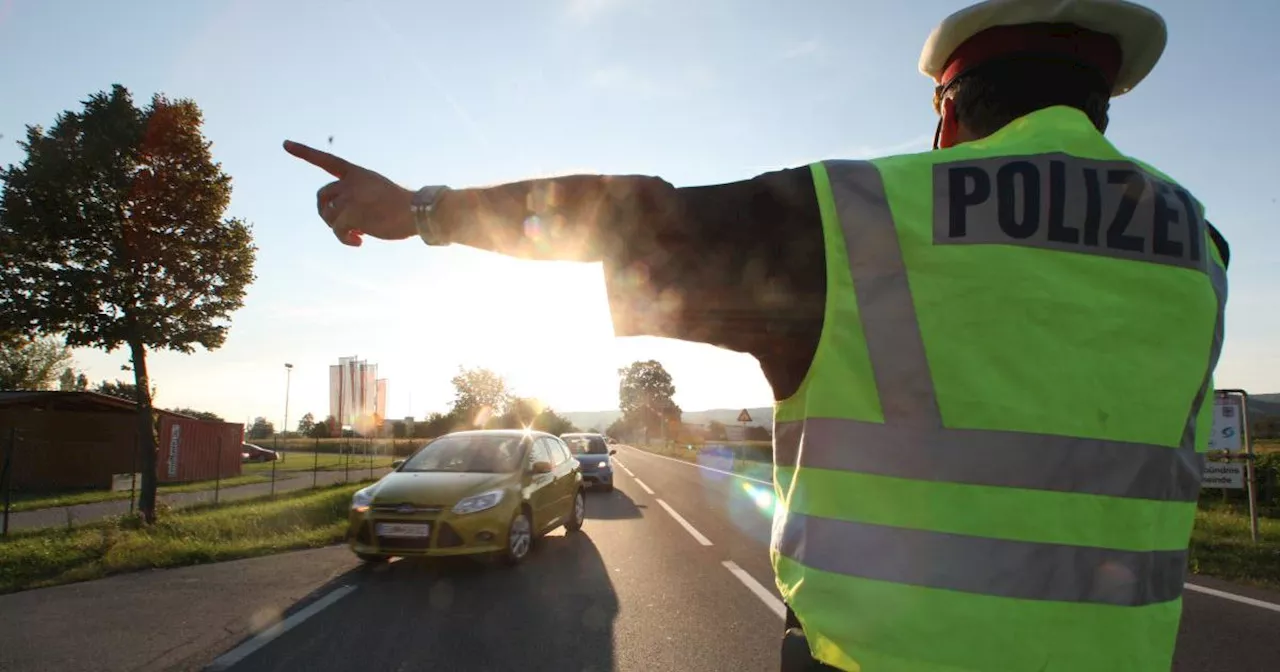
x,y
670,573
87,513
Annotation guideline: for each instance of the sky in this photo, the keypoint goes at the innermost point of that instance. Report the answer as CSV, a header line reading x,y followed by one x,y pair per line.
x,y
484,92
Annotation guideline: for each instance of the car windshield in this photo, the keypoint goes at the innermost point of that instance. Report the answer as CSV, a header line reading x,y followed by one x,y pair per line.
x,y
475,454
586,445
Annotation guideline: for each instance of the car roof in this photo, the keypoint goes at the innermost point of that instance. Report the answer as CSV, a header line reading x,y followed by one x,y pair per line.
x,y
501,432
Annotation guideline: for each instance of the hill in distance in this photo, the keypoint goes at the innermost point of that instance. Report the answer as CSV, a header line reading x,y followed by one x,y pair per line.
x,y
761,417
1260,405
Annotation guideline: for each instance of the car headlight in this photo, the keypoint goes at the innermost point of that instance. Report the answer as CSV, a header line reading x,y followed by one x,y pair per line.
x,y
604,463
480,502
362,499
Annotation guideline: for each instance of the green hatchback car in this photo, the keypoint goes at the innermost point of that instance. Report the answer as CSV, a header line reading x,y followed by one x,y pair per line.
x,y
488,492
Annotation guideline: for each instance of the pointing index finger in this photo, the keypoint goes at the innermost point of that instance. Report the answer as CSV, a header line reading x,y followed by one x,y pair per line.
x,y
327,162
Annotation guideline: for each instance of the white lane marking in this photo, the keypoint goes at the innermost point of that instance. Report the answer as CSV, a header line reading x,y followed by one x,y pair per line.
x,y
700,466
646,488
1233,597
684,523
775,605
265,637
624,467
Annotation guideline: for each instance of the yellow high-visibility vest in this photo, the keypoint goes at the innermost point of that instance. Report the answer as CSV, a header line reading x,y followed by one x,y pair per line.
x,y
994,461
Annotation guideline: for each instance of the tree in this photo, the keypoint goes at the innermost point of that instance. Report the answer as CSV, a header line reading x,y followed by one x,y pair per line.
x,y
70,381
261,428
112,232
553,423
716,431
618,429
121,389
305,425
436,424
644,396
31,364
757,433
322,429
479,394
202,415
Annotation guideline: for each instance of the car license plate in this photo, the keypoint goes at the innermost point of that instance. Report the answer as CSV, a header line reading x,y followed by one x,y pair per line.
x,y
403,530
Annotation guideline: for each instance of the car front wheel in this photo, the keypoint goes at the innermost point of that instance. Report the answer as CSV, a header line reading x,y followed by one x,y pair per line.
x,y
519,538
579,513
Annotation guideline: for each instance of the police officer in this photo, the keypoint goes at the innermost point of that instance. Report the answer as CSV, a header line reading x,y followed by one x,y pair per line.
x,y
991,361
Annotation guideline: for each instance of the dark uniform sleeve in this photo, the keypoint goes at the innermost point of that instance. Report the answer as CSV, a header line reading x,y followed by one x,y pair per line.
x,y
737,265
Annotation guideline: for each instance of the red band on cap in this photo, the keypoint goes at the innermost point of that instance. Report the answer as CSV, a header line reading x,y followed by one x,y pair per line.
x,y
1091,48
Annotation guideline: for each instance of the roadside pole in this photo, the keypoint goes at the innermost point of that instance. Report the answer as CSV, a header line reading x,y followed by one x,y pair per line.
x,y
1250,477
6,475
315,462
217,479
133,474
1248,456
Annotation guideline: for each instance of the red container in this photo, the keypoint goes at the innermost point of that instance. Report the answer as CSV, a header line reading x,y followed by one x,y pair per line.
x,y
197,450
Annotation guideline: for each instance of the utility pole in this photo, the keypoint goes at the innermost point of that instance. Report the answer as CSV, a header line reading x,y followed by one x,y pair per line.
x,y
288,377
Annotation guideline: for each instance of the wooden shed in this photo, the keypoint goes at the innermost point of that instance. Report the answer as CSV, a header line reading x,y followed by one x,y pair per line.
x,y
67,440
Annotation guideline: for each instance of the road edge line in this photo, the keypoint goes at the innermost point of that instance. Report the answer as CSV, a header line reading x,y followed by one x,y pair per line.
x,y
644,486
265,637
698,536
701,466
1253,602
775,605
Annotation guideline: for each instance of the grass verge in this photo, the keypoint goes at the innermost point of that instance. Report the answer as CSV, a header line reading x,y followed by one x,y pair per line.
x,y
1220,543
305,461
40,558
1221,546
726,457
33,501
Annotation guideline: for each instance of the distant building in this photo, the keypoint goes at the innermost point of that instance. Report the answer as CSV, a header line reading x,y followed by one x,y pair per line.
x,y
357,397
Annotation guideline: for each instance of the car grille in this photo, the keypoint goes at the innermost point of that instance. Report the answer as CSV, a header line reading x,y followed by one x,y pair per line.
x,y
407,509
404,543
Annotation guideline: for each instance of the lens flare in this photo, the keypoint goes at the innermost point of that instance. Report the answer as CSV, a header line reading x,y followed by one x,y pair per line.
x,y
761,497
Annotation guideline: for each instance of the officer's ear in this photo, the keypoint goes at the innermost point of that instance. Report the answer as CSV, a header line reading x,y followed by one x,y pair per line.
x,y
948,133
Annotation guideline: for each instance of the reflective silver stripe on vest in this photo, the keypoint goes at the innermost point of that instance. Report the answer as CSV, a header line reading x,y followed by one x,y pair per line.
x,y
998,567
912,443
992,458
894,342
1218,278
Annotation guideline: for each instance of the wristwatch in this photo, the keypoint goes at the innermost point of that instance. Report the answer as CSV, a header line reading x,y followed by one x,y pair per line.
x,y
423,203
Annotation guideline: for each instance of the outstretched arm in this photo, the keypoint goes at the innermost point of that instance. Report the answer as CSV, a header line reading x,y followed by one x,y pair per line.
x,y
737,265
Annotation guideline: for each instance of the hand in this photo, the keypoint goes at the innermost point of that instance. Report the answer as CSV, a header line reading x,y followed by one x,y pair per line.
x,y
360,201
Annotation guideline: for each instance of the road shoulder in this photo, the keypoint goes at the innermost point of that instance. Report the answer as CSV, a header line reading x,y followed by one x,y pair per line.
x,y
162,619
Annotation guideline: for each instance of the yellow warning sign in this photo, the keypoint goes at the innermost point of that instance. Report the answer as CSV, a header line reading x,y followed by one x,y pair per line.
x,y
744,416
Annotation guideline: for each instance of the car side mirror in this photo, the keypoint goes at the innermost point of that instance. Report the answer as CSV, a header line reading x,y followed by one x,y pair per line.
x,y
395,464
613,451
541,467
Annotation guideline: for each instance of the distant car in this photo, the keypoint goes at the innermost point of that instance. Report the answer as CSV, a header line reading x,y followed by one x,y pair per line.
x,y
252,453
470,493
593,451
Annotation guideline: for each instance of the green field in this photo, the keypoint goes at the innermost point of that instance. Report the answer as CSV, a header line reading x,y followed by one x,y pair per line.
x,y
305,461
1221,547
33,501
38,558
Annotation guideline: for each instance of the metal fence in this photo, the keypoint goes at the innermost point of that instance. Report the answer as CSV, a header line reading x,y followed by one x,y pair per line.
x,y
298,466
